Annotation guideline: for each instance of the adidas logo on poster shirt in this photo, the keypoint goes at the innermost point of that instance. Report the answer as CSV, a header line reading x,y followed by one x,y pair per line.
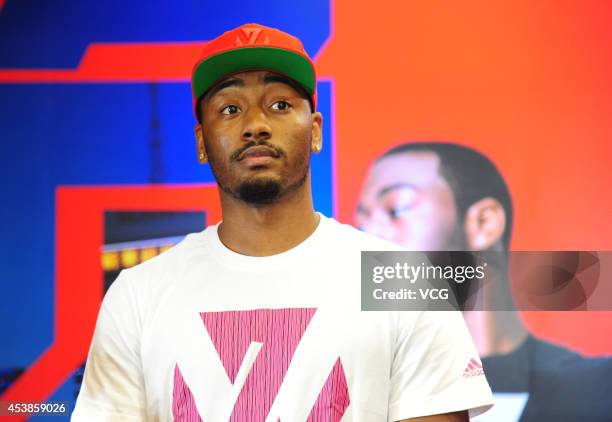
x,y
473,369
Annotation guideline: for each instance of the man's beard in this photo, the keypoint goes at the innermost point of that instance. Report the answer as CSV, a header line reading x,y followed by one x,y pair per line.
x,y
261,191
265,191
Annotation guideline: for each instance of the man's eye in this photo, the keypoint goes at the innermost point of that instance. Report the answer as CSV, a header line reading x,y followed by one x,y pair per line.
x,y
280,105
230,109
399,212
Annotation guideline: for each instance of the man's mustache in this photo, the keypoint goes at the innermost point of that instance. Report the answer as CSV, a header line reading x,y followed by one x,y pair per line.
x,y
279,151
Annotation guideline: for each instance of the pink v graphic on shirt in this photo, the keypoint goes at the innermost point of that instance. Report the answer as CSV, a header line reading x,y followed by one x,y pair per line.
x,y
278,330
183,404
333,398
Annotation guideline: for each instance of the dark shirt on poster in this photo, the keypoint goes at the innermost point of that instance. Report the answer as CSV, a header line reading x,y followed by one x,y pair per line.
x,y
563,386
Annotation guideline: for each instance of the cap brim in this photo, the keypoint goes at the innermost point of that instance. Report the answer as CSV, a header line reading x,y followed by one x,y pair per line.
x,y
286,62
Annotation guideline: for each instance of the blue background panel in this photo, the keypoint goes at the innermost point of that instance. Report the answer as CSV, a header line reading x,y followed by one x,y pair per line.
x,y
105,133
54,34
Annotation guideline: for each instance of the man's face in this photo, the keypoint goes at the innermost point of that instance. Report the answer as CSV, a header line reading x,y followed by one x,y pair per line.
x,y
405,200
258,132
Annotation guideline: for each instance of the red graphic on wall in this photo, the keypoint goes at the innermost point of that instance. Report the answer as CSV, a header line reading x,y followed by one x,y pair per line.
x,y
79,287
119,62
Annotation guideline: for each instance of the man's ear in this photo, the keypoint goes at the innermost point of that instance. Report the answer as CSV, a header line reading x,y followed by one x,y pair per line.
x,y
316,143
485,222
202,157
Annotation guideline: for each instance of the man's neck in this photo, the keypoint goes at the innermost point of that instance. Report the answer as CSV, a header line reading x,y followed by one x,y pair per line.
x,y
500,331
270,229
495,332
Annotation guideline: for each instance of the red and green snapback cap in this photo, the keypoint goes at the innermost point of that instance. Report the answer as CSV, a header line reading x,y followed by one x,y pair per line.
x,y
253,47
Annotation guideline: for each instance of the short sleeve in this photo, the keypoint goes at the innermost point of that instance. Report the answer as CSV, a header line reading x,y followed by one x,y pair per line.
x,y
113,386
435,367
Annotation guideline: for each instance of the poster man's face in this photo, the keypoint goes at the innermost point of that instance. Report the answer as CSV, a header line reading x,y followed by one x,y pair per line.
x,y
405,200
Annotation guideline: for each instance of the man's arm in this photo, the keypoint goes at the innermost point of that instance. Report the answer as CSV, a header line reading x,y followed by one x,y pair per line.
x,y
113,385
446,417
430,377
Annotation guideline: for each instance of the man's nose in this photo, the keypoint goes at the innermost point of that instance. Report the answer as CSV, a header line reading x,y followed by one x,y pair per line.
x,y
256,125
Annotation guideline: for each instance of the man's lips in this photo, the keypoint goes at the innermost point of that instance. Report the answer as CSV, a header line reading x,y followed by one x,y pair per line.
x,y
257,151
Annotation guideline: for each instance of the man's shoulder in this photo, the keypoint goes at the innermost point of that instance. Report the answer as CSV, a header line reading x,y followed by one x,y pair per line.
x,y
565,384
350,237
172,260
549,357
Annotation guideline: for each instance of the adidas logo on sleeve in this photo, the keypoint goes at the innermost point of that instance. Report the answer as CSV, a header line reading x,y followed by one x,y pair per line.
x,y
473,369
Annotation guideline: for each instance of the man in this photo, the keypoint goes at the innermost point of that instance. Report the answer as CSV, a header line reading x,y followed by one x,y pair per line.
x,y
443,196
258,318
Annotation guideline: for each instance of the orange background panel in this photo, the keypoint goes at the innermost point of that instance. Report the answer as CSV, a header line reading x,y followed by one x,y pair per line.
x,y
527,83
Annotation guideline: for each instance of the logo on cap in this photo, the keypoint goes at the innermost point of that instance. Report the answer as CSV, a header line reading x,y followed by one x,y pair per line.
x,y
251,34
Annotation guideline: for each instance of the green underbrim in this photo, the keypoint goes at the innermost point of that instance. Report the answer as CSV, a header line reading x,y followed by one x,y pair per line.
x,y
286,62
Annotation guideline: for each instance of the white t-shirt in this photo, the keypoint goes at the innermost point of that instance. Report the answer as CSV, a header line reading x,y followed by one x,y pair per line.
x,y
201,333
